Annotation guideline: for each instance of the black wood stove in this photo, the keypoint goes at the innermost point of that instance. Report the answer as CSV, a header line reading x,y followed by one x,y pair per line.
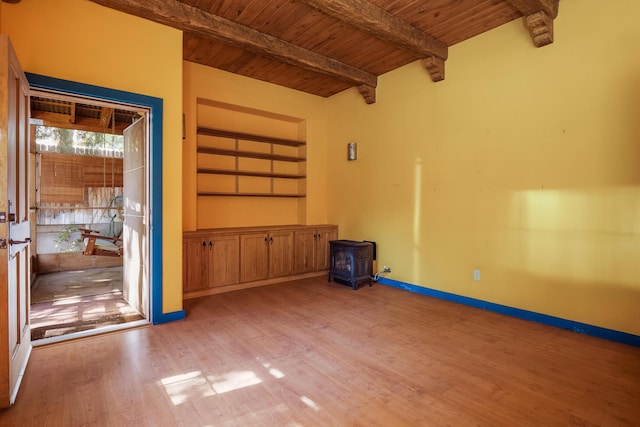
x,y
351,262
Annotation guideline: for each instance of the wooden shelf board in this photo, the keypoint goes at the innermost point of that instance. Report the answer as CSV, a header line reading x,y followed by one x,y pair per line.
x,y
249,137
250,173
250,154
216,194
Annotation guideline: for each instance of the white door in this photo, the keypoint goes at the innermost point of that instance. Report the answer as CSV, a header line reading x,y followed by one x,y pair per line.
x,y
135,231
15,229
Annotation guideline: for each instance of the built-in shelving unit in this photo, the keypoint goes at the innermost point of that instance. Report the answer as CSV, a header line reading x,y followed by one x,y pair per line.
x,y
275,161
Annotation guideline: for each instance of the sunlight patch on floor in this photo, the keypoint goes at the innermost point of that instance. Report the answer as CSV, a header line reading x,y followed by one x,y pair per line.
x,y
276,373
181,387
234,381
93,312
310,403
68,301
107,295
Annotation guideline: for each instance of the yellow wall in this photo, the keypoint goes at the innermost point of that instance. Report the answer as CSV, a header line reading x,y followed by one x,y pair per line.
x,y
523,164
304,116
84,42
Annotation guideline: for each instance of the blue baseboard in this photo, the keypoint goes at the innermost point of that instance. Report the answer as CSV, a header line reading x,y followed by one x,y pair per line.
x,y
168,317
583,328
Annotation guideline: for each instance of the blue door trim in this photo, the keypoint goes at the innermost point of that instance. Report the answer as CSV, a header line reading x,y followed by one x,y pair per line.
x,y
155,105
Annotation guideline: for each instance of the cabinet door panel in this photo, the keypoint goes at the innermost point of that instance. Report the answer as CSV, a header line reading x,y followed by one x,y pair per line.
x,y
254,257
325,235
305,251
280,253
225,261
195,264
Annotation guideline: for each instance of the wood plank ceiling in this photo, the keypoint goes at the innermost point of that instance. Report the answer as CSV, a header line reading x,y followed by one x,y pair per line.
x,y
326,46
69,114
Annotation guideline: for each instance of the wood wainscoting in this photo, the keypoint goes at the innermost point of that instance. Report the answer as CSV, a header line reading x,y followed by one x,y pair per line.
x,y
313,353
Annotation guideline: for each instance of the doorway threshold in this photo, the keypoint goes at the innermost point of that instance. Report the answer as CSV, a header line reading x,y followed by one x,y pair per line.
x,y
90,333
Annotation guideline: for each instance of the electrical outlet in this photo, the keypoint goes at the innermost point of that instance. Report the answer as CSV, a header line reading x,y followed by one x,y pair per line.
x,y
476,274
386,269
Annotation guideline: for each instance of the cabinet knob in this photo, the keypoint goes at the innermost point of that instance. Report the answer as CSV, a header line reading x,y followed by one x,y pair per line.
x,y
210,244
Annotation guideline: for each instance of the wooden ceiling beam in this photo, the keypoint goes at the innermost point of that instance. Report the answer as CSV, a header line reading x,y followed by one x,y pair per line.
x,y
387,27
540,27
435,67
106,115
59,120
381,24
206,25
538,18
72,114
528,7
368,93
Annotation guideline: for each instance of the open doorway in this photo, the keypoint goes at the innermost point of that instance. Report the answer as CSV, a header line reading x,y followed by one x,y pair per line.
x,y
89,170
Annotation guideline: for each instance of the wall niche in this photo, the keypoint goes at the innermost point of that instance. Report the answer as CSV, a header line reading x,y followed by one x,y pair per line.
x,y
251,167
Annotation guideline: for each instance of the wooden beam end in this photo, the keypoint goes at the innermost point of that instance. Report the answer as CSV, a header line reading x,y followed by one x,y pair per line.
x,y
368,93
540,26
435,66
527,7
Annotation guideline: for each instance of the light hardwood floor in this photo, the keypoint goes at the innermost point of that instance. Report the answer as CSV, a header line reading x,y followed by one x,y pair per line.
x,y
312,353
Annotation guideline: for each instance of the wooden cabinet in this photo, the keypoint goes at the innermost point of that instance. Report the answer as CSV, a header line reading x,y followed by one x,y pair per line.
x,y
254,256
210,261
280,253
266,255
305,241
195,264
325,235
224,264
312,248
218,260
